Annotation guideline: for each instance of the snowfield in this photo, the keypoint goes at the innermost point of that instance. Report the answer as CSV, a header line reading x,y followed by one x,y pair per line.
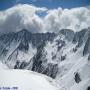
x,y
24,80
3,66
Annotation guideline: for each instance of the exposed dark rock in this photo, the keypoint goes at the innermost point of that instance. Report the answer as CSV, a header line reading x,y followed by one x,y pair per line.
x,y
63,57
77,77
87,47
38,59
51,70
89,57
23,65
74,49
88,88
17,65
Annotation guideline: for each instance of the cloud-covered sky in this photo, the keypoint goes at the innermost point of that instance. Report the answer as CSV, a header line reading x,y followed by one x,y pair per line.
x,y
51,20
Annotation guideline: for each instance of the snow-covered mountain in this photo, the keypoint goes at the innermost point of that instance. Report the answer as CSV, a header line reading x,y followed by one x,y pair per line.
x,y
21,46
64,56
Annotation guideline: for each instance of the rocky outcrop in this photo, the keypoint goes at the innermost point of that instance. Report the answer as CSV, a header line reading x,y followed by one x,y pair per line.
x,y
77,77
87,47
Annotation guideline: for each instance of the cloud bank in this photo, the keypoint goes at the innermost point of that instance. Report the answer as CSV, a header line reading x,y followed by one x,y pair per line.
x,y
25,16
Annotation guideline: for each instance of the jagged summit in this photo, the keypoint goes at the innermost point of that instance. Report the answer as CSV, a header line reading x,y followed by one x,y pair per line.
x,y
24,31
26,36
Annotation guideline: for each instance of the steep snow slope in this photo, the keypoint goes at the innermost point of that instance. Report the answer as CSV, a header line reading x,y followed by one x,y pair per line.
x,y
72,65
25,80
84,85
3,66
74,70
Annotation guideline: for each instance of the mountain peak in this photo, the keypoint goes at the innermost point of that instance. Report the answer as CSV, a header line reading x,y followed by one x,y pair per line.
x,y
24,31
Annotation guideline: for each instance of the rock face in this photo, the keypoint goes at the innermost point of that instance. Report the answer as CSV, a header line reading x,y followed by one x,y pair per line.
x,y
87,47
41,65
39,59
77,78
69,34
88,88
78,37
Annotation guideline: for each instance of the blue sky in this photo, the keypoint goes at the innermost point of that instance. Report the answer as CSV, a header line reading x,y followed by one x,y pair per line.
x,y
4,4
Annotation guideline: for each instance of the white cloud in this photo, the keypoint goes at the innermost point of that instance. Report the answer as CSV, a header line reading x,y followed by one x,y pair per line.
x,y
75,19
19,17
24,16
